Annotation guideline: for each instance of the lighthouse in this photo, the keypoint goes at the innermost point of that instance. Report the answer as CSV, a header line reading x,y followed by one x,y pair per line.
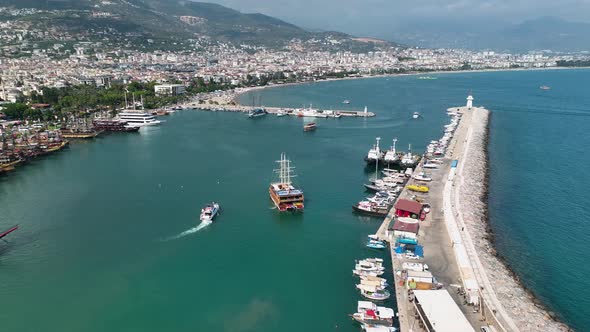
x,y
469,101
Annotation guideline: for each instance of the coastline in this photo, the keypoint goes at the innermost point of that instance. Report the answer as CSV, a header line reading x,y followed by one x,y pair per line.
x,y
236,93
520,303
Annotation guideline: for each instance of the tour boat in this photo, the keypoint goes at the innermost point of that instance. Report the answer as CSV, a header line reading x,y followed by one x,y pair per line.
x,y
138,118
257,112
283,194
309,126
209,212
369,313
375,154
418,188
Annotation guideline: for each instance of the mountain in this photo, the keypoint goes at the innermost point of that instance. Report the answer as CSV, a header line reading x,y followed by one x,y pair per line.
x,y
545,33
170,19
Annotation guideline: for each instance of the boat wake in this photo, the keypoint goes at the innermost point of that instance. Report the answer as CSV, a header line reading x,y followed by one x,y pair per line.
x,y
193,230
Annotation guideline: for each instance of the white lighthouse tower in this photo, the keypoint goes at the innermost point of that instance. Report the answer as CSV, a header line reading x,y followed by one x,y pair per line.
x,y
469,101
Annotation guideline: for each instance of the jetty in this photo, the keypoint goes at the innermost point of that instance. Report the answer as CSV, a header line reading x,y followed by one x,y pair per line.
x,y
452,260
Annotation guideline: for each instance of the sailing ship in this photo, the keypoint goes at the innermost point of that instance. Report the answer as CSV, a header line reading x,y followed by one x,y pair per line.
x,y
283,194
78,129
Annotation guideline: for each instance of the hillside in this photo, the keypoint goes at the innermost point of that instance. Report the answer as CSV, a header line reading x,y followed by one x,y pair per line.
x,y
171,20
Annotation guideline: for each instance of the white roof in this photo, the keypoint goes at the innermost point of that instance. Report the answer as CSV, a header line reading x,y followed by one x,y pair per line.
x,y
442,312
365,305
385,312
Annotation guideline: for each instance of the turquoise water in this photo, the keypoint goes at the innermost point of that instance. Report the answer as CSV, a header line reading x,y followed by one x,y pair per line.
x,y
98,247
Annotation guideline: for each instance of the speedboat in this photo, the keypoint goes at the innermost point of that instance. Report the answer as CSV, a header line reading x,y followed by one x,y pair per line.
x,y
310,126
209,212
422,177
369,313
375,245
346,101
415,115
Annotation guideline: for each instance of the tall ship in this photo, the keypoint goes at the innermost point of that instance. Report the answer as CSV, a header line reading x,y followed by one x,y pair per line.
x,y
283,194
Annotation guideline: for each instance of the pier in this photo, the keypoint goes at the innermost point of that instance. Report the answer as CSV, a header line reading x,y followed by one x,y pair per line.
x,y
448,246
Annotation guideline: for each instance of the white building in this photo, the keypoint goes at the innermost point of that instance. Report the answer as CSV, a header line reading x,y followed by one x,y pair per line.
x,y
169,89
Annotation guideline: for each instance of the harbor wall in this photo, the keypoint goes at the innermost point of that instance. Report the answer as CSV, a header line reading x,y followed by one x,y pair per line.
x,y
516,303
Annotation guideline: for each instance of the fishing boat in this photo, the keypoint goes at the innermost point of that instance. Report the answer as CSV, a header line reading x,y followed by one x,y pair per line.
x,y
371,209
310,126
415,115
209,212
373,293
283,194
391,156
257,112
418,188
375,154
369,313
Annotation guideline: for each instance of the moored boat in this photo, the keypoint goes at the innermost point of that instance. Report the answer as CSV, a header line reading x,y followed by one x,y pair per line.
x,y
257,112
418,188
114,125
374,293
370,313
374,155
371,209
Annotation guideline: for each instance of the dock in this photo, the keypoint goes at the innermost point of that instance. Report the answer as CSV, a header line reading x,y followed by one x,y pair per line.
x,y
273,110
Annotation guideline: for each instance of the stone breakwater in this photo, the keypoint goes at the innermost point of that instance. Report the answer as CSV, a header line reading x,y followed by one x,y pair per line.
x,y
517,301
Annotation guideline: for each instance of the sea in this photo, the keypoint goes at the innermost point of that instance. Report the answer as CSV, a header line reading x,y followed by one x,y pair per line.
x,y
110,240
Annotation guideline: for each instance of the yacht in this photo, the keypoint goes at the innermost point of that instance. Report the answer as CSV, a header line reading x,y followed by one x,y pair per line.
x,y
138,118
209,212
281,113
257,112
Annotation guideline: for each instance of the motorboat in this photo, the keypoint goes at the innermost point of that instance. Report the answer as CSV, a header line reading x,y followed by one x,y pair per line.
x,y
310,126
281,113
209,212
376,245
369,313
418,188
368,267
422,177
415,115
430,165
362,273
371,209
346,101
378,328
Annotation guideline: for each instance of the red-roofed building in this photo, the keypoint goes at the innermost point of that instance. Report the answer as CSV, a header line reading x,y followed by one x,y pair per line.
x,y
405,227
407,208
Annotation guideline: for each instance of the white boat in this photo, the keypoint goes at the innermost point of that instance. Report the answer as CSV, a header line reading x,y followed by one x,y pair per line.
x,y
422,177
409,160
346,101
430,165
373,293
391,154
415,115
209,212
378,328
281,113
368,267
138,118
375,154
369,313
362,273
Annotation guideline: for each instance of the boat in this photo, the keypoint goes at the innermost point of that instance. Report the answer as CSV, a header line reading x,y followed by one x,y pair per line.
x,y
376,244
371,209
257,112
430,165
79,134
310,126
346,101
281,113
374,293
408,159
369,313
209,212
378,328
138,118
391,156
114,125
362,273
545,87
422,177
418,188
283,194
375,154
427,78
415,115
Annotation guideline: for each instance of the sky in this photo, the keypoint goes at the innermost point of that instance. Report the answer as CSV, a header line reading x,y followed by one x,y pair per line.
x,y
383,18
